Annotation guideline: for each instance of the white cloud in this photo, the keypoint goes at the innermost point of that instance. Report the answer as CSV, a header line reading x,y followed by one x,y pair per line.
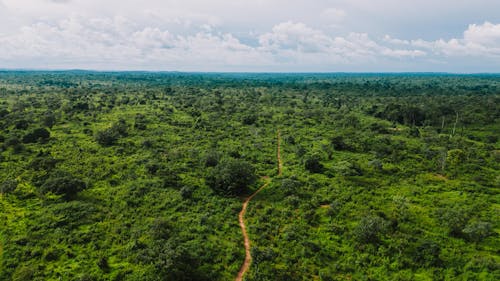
x,y
199,40
481,41
487,34
295,36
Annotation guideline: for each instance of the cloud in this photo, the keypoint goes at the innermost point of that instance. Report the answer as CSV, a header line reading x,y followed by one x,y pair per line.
x,y
481,40
295,36
120,42
487,34
98,42
298,41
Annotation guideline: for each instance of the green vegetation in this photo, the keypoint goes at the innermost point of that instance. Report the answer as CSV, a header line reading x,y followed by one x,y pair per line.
x,y
140,176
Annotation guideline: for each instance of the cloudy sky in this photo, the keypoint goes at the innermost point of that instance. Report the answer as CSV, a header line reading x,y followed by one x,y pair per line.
x,y
257,35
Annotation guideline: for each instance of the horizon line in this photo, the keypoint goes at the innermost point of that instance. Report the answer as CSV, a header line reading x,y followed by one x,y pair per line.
x,y
241,72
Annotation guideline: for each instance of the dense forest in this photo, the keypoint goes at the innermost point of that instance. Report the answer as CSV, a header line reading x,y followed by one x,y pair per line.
x,y
141,176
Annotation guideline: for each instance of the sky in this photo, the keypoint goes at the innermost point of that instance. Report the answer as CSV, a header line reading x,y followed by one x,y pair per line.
x,y
459,36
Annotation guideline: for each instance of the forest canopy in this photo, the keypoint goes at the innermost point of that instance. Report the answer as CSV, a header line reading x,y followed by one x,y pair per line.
x,y
141,176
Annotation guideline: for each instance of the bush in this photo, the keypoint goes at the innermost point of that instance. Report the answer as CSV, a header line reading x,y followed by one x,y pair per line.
x,y
49,120
231,177
369,229
186,192
313,165
22,124
454,220
110,135
24,273
211,159
140,122
43,163
427,253
37,135
8,186
107,137
161,229
3,112
289,186
346,168
66,185
249,119
478,230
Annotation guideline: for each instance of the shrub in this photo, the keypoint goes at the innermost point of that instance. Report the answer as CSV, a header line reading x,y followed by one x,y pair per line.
x,y
3,112
186,192
8,186
249,119
427,253
454,220
289,186
110,135
66,185
37,135
211,159
478,230
22,124
43,163
24,273
49,119
346,168
107,137
313,165
369,229
140,122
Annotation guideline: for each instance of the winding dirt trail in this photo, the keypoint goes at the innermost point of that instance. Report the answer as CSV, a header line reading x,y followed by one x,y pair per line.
x,y
241,217
278,154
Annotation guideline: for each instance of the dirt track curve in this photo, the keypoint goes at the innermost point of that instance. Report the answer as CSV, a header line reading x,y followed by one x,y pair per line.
x,y
241,217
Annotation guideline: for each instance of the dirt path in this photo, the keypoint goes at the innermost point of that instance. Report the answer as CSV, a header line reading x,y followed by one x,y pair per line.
x,y
278,154
241,217
248,257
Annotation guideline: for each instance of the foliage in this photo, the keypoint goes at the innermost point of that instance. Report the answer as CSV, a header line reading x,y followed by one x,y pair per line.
x,y
231,177
39,134
65,184
313,164
119,176
370,229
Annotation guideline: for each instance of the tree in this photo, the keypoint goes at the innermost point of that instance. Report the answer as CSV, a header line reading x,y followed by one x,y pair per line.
x,y
249,119
313,165
110,135
427,253
454,220
231,177
478,230
37,135
22,124
107,137
63,184
140,122
8,186
49,119
186,192
346,168
211,159
369,229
